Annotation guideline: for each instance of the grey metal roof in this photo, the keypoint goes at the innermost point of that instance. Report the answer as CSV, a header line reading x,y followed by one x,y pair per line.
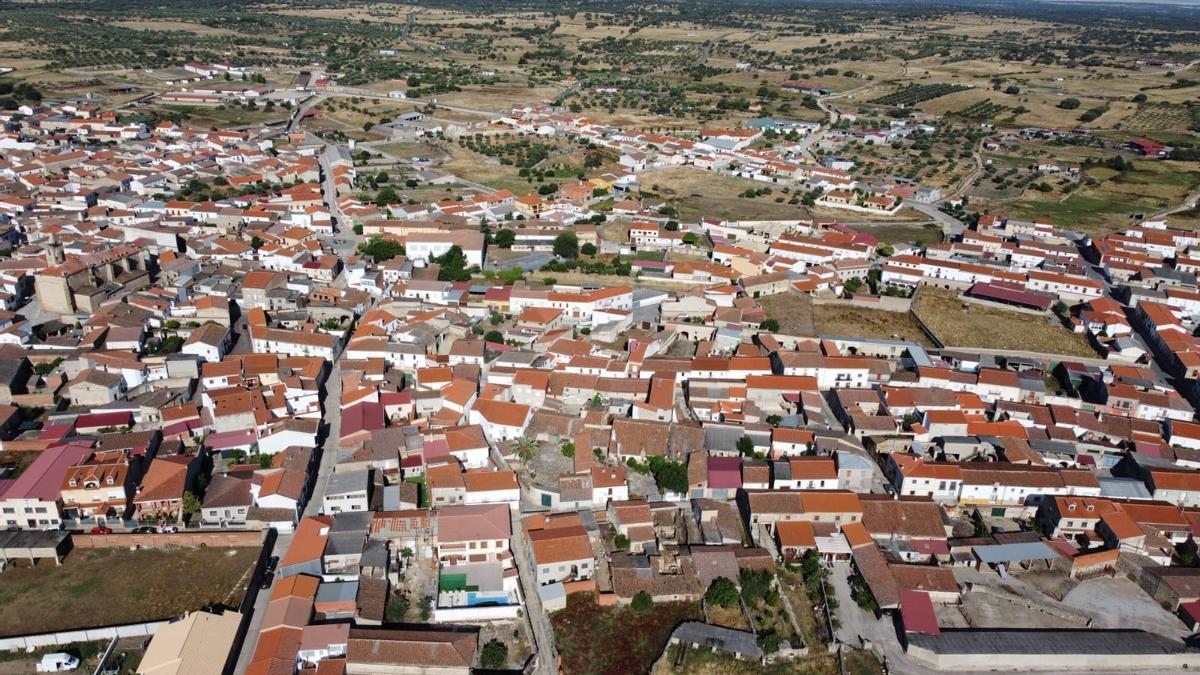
x,y
375,554
348,481
724,639
1047,641
345,543
1005,553
337,591
1130,488
850,460
351,521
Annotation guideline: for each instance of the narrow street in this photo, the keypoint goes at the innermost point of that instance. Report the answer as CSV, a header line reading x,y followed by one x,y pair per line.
x,y
539,620
331,419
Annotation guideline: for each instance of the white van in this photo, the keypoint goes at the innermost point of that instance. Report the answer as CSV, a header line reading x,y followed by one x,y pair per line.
x,y
57,662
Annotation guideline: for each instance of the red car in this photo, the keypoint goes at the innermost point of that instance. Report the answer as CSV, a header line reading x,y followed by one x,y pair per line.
x,y
100,529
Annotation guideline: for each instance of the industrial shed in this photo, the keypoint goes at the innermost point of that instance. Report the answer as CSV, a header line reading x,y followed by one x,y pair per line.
x,y
34,545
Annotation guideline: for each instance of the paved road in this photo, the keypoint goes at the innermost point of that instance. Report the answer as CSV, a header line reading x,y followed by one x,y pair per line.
x,y
329,191
302,109
951,226
260,611
832,117
331,417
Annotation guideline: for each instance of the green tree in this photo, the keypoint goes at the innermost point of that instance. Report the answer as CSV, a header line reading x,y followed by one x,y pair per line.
x,y
494,655
525,447
621,542
755,584
396,608
1069,103
381,249
453,265
722,592
505,238
494,336
745,446
769,325
669,475
568,449
588,249
191,504
387,195
566,245
642,602
256,242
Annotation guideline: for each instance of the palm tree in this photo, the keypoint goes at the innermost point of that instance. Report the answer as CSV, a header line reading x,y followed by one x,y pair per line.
x,y
525,447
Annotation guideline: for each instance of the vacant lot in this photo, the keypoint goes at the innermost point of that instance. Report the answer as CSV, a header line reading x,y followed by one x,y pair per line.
x,y
109,586
920,235
798,315
615,640
224,116
957,324
477,168
700,193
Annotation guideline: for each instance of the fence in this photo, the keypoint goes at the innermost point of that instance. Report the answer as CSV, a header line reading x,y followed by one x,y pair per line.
x,y
190,539
472,614
31,642
885,303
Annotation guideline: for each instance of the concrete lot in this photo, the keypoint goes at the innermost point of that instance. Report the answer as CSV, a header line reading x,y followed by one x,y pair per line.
x,y
1120,603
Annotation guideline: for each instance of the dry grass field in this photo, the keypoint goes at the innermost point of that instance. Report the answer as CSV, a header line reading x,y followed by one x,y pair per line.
x,y
111,586
958,324
797,314
705,194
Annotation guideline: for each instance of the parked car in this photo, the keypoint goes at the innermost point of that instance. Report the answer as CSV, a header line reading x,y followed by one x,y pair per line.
x,y
168,529
267,580
272,564
100,529
57,662
887,487
145,529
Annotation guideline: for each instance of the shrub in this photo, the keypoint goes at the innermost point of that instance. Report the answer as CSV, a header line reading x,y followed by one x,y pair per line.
x,y
642,602
722,592
494,655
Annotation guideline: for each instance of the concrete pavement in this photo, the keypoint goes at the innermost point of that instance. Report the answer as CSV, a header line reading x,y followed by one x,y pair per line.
x,y
951,226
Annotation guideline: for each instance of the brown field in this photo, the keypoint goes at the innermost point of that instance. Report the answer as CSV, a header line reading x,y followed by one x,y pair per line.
x,y
497,98
111,586
489,171
201,117
957,324
702,194
731,617
797,314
